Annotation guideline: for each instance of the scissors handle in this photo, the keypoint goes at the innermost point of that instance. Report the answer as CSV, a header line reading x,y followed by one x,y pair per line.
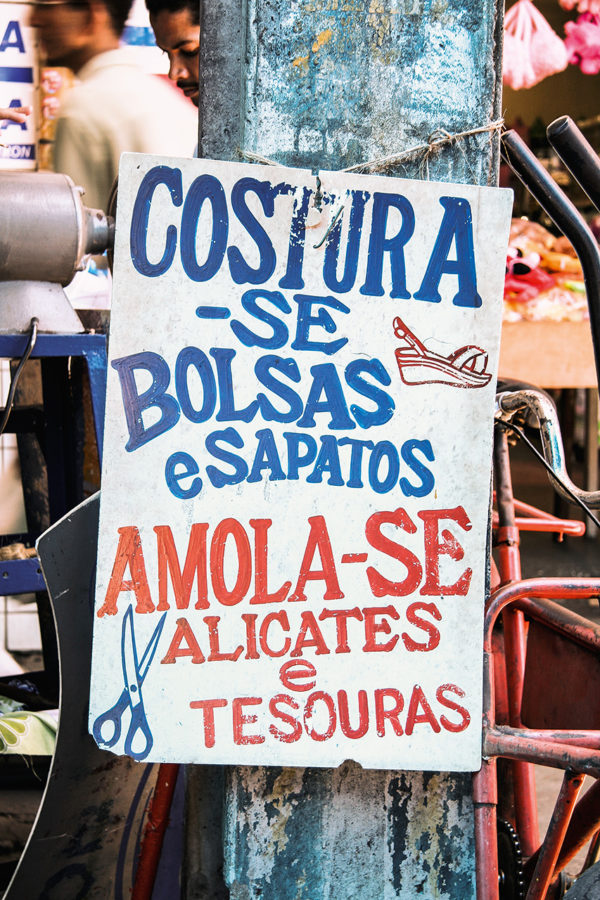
x,y
138,727
112,717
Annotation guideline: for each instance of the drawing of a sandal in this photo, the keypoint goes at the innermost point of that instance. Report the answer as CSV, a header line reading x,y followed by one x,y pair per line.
x,y
464,368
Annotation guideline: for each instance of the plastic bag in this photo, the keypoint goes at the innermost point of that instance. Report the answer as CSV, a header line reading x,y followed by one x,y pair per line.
x,y
582,6
583,43
532,50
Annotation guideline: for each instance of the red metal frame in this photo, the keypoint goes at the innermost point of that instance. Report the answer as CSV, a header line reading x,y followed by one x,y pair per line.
x,y
515,640
154,831
534,519
518,601
557,829
573,750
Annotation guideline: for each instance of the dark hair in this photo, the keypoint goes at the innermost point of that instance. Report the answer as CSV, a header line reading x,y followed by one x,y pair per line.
x,y
193,6
119,12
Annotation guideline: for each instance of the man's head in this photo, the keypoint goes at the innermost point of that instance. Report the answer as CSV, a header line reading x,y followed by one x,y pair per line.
x,y
176,26
73,33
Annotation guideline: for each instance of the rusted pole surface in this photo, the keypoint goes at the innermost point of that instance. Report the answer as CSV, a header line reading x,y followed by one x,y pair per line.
x,y
327,84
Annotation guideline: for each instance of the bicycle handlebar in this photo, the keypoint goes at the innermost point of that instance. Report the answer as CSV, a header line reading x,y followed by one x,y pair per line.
x,y
508,403
577,154
565,216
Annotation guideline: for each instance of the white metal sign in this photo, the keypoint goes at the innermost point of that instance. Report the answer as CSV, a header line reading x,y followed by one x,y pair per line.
x,y
18,82
297,466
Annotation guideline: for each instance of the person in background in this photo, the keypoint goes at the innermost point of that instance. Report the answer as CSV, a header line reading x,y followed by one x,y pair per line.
x,y
115,106
176,26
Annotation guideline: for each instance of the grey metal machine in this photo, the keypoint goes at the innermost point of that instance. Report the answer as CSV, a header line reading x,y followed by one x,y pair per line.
x,y
46,233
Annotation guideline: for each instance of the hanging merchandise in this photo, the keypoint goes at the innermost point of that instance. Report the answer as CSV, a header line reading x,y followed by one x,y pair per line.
x,y
583,43
532,50
544,280
582,6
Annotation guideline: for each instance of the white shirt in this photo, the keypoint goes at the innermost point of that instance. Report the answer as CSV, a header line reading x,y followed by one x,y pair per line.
x,y
116,107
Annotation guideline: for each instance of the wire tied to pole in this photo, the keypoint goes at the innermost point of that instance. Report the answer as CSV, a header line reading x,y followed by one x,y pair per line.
x,y
437,140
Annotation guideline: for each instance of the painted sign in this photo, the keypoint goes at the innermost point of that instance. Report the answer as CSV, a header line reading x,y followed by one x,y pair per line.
x,y
297,466
18,80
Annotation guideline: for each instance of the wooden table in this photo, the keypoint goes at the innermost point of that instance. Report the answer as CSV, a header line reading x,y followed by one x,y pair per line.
x,y
548,354
557,355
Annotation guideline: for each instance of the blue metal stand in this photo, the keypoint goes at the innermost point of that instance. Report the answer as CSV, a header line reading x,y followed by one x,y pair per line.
x,y
62,357
92,347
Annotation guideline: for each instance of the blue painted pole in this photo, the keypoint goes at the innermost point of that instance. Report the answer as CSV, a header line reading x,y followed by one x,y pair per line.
x,y
330,84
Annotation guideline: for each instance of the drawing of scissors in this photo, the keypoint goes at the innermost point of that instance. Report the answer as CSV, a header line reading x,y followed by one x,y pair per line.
x,y
134,674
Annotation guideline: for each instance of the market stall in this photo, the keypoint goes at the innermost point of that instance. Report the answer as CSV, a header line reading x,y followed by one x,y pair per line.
x,y
546,335
551,68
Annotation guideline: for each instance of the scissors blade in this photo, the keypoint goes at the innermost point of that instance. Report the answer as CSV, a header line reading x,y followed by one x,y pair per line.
x,y
150,650
129,659
135,672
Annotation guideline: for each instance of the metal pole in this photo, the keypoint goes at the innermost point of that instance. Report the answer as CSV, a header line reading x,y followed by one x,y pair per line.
x,y
326,84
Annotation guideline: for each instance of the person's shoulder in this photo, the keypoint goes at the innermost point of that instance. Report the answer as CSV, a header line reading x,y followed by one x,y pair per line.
x,y
79,111
117,72
157,95
97,78
118,101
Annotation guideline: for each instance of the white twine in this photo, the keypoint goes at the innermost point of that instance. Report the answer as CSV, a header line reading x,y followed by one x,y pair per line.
x,y
257,158
438,139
